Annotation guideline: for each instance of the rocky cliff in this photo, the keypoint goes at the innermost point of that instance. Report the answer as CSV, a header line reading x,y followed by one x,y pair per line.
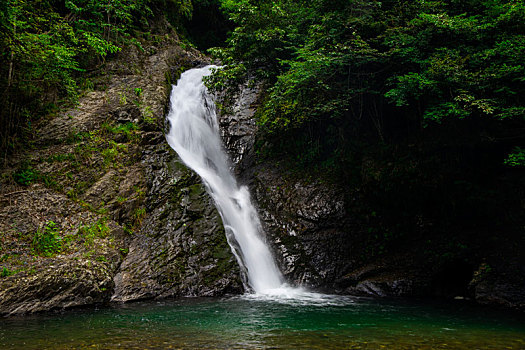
x,y
99,208
326,236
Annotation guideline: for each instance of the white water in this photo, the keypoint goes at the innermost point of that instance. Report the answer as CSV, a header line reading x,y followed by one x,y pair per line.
x,y
194,135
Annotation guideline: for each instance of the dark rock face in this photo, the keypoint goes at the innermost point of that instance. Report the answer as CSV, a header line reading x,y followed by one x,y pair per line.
x,y
133,221
319,240
391,277
63,284
303,222
182,248
502,286
238,129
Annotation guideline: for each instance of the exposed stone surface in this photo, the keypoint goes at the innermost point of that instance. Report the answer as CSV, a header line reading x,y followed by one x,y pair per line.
x,y
125,211
320,237
393,277
303,222
318,243
504,286
182,249
80,275
238,129
62,284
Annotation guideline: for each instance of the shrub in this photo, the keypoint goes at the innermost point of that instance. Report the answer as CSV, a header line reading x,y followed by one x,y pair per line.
x,y
6,272
25,175
516,158
98,229
47,241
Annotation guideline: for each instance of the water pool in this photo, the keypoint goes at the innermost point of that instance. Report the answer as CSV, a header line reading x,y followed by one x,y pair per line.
x,y
253,323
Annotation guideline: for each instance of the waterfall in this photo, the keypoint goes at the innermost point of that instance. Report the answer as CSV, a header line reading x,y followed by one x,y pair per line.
x,y
194,135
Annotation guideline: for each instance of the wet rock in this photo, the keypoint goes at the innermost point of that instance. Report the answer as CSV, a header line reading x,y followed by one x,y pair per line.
x,y
238,129
305,224
304,221
383,278
182,247
502,286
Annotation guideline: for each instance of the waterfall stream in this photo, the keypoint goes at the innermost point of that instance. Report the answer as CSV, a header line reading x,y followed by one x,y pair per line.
x,y
194,135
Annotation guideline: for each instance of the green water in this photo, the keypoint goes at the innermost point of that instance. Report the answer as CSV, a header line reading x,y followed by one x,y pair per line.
x,y
250,323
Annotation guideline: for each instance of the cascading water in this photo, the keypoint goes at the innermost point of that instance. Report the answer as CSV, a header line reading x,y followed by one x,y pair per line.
x,y
194,135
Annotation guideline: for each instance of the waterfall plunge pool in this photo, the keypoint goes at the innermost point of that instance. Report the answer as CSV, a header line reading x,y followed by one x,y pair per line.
x,y
247,322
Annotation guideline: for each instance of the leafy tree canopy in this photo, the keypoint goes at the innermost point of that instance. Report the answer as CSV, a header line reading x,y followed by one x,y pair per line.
x,y
48,44
340,64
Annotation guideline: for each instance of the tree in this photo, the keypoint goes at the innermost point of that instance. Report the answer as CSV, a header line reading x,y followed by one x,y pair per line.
x,y
360,67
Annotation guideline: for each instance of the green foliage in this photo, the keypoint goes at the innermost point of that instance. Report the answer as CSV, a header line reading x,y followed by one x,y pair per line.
x,y
47,240
464,62
25,175
6,272
112,153
128,130
147,116
516,158
98,229
338,71
138,216
47,46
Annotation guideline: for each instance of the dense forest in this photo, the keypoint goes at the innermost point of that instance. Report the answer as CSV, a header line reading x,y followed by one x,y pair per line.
x,y
335,72
50,47
417,107
348,71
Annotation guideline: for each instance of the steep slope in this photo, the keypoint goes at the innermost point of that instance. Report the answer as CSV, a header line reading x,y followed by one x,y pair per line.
x,y
98,207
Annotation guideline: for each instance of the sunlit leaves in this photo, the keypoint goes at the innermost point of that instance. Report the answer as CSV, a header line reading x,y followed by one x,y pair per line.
x,y
516,158
410,87
100,46
474,62
342,64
